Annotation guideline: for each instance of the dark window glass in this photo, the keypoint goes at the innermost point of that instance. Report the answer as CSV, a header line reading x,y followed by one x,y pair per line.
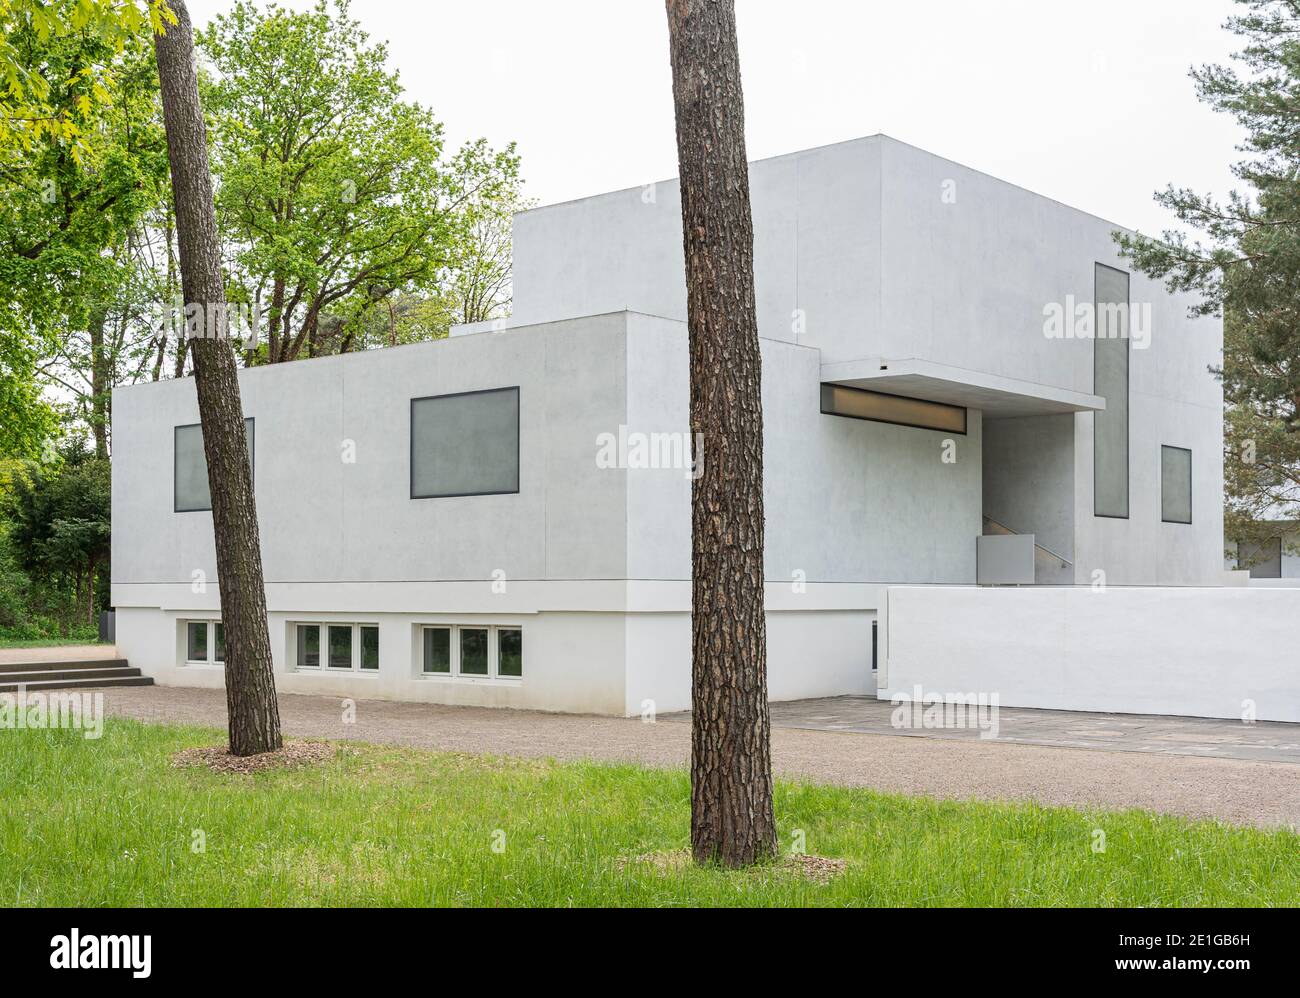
x,y
473,651
196,641
219,642
510,652
370,647
437,649
308,646
340,639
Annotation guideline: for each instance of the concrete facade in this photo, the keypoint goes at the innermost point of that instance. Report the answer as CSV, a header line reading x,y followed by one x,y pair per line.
x,y
877,266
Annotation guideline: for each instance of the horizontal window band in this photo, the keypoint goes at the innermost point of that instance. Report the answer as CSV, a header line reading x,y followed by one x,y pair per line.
x,y
900,410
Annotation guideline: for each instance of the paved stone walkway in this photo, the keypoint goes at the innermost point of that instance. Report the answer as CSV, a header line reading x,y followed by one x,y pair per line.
x,y
1235,790
1210,737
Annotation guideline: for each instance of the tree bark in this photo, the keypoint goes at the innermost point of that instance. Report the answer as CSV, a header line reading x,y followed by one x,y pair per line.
x,y
101,378
254,716
731,769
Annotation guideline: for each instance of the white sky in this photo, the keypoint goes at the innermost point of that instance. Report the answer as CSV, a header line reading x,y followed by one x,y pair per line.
x,y
1086,101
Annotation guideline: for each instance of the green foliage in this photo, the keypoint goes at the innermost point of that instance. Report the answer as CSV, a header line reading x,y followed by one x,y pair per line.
x,y
401,827
1247,264
55,540
56,68
335,193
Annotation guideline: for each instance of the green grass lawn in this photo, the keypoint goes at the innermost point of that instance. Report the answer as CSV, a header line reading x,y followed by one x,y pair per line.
x,y
111,822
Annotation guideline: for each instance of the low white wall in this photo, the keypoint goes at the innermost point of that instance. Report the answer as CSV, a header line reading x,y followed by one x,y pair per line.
x,y
810,653
1190,651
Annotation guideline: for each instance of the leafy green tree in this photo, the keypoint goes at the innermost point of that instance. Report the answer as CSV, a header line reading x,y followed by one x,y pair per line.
x,y
335,193
70,224
34,109
58,521
1245,262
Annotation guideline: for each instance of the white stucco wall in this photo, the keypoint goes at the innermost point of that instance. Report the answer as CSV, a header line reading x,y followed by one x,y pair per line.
x,y
1159,650
847,500
883,250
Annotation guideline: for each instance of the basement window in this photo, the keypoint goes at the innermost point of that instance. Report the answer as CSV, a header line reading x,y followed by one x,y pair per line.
x,y
471,652
859,403
340,647
205,642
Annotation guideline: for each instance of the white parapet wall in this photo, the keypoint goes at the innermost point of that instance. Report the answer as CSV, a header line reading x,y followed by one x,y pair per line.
x,y
1202,652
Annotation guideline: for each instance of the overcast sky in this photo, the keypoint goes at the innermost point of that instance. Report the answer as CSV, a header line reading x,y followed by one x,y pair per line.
x,y
1086,101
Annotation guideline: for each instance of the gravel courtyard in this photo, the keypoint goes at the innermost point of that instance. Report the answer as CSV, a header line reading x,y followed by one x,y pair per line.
x,y
1233,790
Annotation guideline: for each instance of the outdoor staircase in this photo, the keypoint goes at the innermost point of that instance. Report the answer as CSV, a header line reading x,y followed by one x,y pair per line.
x,y
72,674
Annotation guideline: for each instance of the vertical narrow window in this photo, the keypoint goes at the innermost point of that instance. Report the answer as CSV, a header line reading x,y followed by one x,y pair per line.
x,y
473,651
308,646
1110,379
510,652
874,645
437,650
196,641
370,647
1175,484
340,647
218,642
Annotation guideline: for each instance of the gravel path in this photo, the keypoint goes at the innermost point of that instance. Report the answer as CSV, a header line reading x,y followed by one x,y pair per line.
x,y
1237,791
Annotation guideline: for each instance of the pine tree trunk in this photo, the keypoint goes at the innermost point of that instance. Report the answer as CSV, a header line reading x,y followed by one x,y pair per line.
x,y
254,716
101,387
731,767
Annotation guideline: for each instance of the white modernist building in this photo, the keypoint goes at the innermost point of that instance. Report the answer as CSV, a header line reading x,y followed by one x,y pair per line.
x,y
962,383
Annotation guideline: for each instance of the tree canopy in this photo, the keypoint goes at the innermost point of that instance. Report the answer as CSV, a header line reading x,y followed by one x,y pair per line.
x,y
1246,263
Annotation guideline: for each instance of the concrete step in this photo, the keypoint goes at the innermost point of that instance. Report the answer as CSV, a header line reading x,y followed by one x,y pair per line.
x,y
67,663
10,678
71,684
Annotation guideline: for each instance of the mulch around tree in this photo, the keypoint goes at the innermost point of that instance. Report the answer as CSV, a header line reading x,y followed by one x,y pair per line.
x,y
818,869
290,756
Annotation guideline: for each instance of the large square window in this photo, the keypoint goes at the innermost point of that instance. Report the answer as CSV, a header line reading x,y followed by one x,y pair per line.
x,y
465,445
190,468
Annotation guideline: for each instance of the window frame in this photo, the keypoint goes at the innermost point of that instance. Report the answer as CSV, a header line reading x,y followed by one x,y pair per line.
x,y
323,666
828,389
250,423
1190,480
210,626
1128,389
410,452
454,673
